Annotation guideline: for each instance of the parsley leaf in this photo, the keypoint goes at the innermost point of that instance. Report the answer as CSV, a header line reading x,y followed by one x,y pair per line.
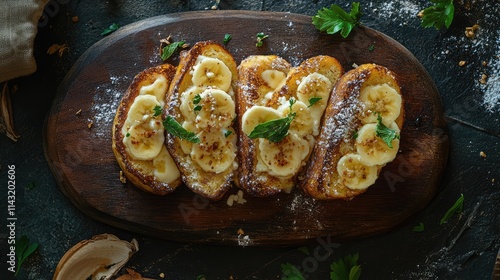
x,y
112,28
439,15
174,128
290,272
346,268
260,39
23,250
170,49
385,133
456,208
418,228
157,111
274,130
313,100
227,38
335,19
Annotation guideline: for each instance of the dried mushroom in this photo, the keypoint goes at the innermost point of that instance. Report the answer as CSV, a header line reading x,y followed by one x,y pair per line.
x,y
99,258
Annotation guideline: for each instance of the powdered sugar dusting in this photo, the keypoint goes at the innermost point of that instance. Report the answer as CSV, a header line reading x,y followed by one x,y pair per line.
x,y
105,102
491,86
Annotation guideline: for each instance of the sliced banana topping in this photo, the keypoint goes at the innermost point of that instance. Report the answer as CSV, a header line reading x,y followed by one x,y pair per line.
x,y
314,90
157,89
380,99
372,149
302,124
273,78
211,72
354,174
216,109
190,100
284,158
187,146
216,152
257,115
165,169
144,135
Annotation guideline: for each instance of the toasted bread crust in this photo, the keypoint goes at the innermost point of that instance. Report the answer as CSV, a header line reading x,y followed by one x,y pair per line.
x,y
251,91
208,184
139,173
339,123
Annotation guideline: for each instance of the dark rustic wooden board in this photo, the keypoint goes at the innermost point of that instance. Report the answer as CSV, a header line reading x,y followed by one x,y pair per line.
x,y
83,164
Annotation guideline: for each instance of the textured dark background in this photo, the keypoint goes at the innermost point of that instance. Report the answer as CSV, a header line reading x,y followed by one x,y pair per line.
x,y
463,248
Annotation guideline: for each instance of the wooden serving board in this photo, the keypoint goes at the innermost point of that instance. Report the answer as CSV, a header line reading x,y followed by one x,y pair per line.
x,y
85,168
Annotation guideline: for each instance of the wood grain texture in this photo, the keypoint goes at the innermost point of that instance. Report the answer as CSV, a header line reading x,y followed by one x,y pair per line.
x,y
84,167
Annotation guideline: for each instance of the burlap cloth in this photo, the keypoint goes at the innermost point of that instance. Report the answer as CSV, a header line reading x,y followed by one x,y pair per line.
x,y
18,27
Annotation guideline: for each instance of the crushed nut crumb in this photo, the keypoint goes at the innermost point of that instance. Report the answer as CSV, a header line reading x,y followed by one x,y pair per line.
x,y
78,112
89,125
240,231
123,179
461,63
470,32
75,19
484,79
484,63
482,154
162,275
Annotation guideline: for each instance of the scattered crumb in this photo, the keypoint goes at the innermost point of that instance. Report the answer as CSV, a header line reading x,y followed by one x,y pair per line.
x,y
470,32
482,154
75,19
484,79
240,231
78,112
123,179
462,63
354,65
244,240
60,49
162,275
238,198
493,180
485,63
89,125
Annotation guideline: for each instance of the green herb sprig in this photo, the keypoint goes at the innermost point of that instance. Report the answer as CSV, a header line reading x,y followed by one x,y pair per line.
x,y
112,28
227,38
290,272
260,39
418,228
334,19
346,268
274,130
456,208
174,128
313,100
169,49
196,102
385,133
439,15
157,111
23,250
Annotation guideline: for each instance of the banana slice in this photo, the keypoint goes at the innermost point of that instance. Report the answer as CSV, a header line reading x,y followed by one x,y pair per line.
x,y
216,152
157,89
216,109
165,169
257,115
189,101
382,99
273,78
302,124
187,146
284,158
144,133
212,72
372,149
354,174
315,86
142,109
144,141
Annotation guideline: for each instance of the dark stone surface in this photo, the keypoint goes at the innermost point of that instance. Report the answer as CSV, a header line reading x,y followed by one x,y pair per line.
x,y
463,248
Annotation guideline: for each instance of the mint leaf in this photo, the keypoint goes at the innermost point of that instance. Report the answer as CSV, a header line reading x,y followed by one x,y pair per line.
x,y
290,272
334,19
227,38
157,111
385,133
346,268
174,128
170,49
313,100
456,208
439,15
274,130
23,250
112,28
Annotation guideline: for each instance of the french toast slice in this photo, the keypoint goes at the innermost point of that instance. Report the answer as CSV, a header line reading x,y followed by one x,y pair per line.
x,y
295,107
199,119
138,134
359,134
